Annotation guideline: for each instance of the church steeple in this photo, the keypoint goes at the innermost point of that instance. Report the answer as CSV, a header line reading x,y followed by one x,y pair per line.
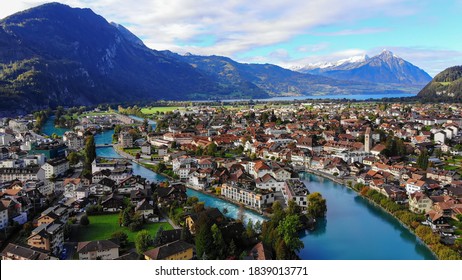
x,y
368,140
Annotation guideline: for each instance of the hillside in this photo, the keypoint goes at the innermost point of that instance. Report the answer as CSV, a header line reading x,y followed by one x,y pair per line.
x,y
56,55
446,86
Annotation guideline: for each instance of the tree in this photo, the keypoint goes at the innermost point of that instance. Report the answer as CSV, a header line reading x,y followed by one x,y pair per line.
x,y
232,251
84,221
218,242
126,217
249,230
122,237
211,149
199,207
316,205
422,160
73,158
278,212
281,250
293,208
145,124
192,200
90,150
203,236
157,241
142,241
288,230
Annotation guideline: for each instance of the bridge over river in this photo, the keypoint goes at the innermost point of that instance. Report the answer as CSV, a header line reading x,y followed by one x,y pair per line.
x,y
104,145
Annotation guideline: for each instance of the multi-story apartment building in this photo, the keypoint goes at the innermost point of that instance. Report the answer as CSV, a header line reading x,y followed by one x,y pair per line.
x,y
22,174
253,197
56,167
49,237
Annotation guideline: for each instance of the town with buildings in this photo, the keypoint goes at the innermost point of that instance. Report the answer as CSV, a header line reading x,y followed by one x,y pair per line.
x,y
61,199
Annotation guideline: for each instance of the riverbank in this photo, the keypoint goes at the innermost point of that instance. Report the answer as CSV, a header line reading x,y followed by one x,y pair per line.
x,y
401,223
118,150
344,183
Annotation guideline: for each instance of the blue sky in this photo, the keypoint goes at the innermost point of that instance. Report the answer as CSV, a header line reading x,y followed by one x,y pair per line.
x,y
289,32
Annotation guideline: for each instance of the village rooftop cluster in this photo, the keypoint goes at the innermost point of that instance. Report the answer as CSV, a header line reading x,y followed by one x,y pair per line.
x,y
250,156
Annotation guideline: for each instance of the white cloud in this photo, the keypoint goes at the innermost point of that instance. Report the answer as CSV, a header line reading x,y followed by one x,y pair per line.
x,y
313,48
348,32
237,25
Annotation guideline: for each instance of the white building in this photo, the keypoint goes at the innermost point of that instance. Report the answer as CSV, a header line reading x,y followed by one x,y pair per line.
x,y
182,166
413,185
6,139
38,159
73,141
98,250
268,182
125,140
281,174
253,198
22,174
19,125
295,190
56,167
146,148
440,137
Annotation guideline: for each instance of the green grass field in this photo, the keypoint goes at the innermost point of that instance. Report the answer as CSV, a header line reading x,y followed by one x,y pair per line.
x,y
132,151
102,227
153,110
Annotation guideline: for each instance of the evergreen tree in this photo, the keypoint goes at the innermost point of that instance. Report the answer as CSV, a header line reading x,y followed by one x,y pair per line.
x,y
157,241
422,160
90,150
232,248
203,236
218,243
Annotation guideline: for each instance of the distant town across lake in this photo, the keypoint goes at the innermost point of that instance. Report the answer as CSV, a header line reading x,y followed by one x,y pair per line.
x,y
327,96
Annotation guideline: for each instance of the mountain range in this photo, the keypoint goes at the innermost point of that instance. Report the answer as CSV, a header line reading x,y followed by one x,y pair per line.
x,y
382,68
54,55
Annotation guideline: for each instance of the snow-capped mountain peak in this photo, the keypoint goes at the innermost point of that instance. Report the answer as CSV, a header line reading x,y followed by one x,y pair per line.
x,y
382,68
346,62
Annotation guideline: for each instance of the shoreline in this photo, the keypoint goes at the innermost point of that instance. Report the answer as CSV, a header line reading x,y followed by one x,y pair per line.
x,y
343,183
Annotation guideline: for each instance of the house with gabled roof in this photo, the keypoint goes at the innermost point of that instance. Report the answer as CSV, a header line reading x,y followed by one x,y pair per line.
x,y
19,252
98,250
419,203
414,185
177,250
